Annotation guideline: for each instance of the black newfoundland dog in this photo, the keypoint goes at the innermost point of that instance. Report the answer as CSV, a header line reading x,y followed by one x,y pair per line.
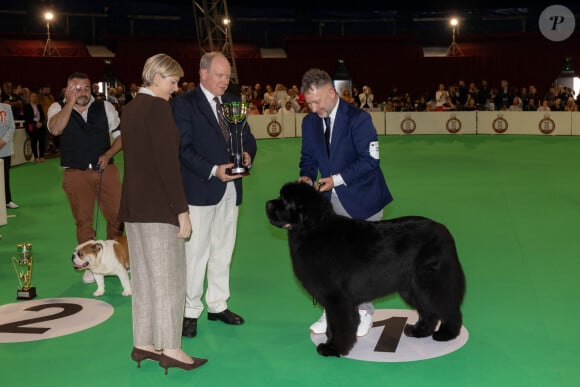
x,y
344,262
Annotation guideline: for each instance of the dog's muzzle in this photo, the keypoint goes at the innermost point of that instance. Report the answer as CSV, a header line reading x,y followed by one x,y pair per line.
x,y
78,266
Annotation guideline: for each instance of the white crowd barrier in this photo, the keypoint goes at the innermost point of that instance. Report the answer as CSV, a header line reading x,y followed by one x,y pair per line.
x,y
3,215
457,122
22,150
541,123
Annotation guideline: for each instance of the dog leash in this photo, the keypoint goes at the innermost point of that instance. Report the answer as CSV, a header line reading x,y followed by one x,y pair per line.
x,y
98,198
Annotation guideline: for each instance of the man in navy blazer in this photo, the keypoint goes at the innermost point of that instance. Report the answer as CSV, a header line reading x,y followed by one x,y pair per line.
x,y
340,144
212,194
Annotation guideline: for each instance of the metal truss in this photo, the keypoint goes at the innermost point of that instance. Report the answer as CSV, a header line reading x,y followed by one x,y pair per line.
x,y
212,24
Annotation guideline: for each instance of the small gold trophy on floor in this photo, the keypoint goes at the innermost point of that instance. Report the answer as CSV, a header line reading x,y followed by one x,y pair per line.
x,y
23,268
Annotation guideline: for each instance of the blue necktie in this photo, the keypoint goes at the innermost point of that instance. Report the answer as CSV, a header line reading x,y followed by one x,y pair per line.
x,y
327,133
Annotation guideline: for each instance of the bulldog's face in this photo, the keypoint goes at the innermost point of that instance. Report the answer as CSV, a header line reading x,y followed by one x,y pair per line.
x,y
87,255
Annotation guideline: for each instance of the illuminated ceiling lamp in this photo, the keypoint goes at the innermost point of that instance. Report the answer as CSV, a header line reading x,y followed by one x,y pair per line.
x,y
454,49
49,49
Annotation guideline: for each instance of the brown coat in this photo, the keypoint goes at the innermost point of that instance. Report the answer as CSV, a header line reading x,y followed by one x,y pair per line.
x,y
152,185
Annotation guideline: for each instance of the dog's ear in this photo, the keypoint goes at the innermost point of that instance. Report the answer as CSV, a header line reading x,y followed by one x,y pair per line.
x,y
98,247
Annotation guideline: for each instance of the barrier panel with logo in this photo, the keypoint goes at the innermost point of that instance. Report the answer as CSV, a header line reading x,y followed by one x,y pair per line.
x,y
379,122
22,150
575,124
540,123
3,215
450,122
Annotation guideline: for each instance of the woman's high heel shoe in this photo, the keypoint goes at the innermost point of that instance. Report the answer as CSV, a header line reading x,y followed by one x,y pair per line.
x,y
169,362
140,354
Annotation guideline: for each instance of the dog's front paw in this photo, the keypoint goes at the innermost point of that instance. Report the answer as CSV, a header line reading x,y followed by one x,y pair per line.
x,y
98,293
415,331
126,292
443,335
325,349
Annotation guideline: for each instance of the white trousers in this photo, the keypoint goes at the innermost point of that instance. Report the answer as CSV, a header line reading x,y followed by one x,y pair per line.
x,y
210,250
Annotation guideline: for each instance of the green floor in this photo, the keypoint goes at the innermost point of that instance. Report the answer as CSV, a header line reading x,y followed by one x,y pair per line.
x,y
512,202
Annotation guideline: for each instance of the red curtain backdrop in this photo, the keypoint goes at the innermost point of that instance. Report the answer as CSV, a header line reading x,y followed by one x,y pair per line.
x,y
382,62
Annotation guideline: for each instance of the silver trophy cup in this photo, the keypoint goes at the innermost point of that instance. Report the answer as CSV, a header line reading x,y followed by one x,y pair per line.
x,y
235,114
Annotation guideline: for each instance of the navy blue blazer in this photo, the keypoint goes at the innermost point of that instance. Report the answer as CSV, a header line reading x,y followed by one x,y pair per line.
x,y
203,146
354,154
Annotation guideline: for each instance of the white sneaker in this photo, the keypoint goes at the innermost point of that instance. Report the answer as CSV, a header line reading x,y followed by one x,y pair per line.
x,y
319,326
366,323
88,277
12,205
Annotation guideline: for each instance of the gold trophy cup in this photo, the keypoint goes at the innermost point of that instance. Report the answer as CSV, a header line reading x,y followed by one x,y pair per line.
x,y
23,267
235,114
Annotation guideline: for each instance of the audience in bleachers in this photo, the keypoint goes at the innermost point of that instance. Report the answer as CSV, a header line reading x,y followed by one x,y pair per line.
x,y
530,105
456,97
366,98
471,105
557,106
516,105
545,107
45,98
571,105
441,95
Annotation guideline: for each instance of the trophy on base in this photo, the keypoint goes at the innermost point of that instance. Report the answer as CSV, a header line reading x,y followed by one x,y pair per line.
x,y
23,267
235,114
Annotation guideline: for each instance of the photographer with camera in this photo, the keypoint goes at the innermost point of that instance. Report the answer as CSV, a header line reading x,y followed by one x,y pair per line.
x,y
85,126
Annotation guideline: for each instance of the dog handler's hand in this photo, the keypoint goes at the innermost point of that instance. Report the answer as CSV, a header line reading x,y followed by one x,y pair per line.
x,y
305,179
325,184
184,225
103,161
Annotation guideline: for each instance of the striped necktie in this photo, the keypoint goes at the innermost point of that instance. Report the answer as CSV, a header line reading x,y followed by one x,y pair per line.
x,y
221,120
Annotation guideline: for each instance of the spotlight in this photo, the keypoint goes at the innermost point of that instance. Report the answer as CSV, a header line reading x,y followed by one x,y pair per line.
x,y
49,50
454,49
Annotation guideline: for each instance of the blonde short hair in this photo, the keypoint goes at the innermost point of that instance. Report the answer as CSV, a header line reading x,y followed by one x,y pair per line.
x,y
163,65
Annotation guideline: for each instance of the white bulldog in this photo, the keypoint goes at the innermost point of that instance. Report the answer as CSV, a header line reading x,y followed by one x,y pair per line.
x,y
104,257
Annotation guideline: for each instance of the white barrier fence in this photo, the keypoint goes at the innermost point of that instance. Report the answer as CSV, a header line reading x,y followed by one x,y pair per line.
x,y
22,150
408,123
3,214
282,125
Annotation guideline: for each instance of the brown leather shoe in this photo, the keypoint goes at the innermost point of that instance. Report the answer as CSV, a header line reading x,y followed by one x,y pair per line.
x,y
139,355
226,316
169,362
189,327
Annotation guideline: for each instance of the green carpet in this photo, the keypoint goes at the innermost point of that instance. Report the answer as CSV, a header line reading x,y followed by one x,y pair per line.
x,y
512,203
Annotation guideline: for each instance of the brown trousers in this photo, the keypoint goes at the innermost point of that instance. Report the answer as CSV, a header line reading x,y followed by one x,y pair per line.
x,y
82,189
